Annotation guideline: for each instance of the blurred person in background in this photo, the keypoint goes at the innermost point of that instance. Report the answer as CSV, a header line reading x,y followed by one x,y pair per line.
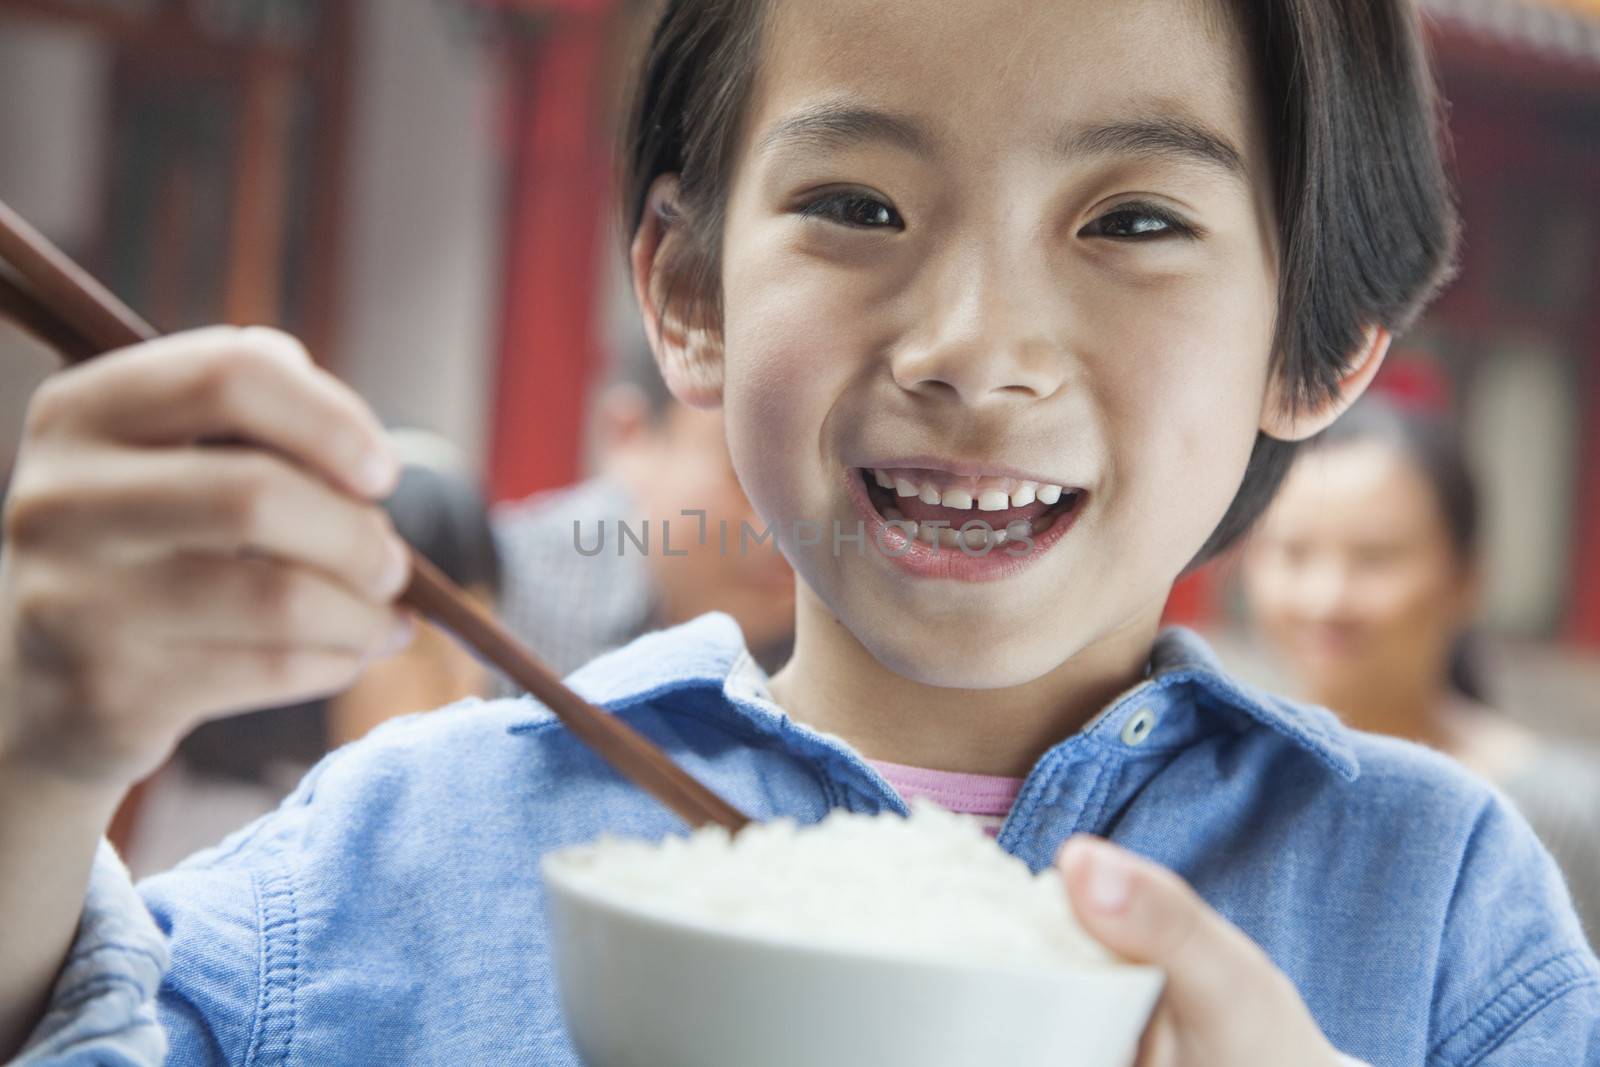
x,y
1363,576
658,458
229,772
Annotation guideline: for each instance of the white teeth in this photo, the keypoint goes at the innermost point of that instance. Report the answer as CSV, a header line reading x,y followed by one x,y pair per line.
x,y
1018,530
948,537
993,500
927,533
961,499
893,513
956,498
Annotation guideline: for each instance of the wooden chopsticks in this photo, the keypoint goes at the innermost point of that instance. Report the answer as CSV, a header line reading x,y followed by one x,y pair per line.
x,y
53,298
21,307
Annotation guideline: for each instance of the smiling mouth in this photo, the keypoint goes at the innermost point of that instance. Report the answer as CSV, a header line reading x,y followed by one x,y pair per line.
x,y
937,507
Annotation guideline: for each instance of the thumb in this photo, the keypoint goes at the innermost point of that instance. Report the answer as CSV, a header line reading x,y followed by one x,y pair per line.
x,y
1146,914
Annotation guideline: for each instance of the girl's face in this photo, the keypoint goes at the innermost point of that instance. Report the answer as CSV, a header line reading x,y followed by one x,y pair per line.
x,y
979,246
1354,578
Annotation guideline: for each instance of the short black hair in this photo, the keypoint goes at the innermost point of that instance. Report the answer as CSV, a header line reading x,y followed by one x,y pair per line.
x,y
1366,216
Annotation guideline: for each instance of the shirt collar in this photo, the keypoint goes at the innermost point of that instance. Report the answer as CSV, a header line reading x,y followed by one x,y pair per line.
x,y
709,652
1182,658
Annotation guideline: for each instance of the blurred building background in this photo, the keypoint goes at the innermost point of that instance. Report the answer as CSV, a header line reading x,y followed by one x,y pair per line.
x,y
418,189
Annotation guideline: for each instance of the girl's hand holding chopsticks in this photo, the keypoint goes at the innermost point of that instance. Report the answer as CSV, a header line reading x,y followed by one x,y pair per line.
x,y
150,582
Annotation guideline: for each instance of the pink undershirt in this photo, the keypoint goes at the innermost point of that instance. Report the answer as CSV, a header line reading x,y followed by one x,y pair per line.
x,y
988,798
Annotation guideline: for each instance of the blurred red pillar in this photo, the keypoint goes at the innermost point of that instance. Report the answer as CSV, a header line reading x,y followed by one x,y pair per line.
x,y
1193,601
559,180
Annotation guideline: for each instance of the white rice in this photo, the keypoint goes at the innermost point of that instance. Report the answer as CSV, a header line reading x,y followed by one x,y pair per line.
x,y
930,887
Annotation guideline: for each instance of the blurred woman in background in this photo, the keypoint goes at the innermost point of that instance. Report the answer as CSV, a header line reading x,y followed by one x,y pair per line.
x,y
1364,578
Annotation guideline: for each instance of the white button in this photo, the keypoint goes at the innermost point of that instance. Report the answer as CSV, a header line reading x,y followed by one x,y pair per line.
x,y
1139,728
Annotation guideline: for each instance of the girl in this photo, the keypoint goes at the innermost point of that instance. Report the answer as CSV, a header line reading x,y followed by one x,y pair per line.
x,y
1084,268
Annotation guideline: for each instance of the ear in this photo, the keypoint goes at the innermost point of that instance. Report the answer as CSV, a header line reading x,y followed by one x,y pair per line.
x,y
1279,421
688,351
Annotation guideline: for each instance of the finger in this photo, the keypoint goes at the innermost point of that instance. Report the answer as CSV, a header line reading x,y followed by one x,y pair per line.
x,y
134,505
1146,914
1158,1045
157,701
211,602
223,382
235,680
142,653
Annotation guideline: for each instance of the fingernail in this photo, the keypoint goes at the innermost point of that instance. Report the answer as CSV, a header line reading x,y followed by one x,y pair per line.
x,y
396,569
399,637
1110,880
376,474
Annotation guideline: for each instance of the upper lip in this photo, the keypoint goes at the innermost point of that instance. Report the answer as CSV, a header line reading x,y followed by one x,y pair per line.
x,y
968,468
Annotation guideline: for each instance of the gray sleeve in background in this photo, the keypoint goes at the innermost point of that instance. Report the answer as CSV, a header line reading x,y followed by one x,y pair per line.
x,y
1558,792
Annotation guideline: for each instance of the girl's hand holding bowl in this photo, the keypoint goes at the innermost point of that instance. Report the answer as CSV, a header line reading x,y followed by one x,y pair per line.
x,y
1225,1003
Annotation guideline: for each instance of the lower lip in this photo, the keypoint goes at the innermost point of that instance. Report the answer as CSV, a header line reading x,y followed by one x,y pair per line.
x,y
942,561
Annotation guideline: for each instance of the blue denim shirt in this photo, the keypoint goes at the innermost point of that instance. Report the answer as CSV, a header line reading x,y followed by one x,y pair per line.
x,y
391,910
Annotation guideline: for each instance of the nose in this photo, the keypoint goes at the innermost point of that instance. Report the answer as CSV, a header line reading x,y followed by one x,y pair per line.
x,y
987,339
1323,590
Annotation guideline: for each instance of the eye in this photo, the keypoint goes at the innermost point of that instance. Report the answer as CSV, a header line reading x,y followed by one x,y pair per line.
x,y
1139,222
856,210
1376,557
1294,553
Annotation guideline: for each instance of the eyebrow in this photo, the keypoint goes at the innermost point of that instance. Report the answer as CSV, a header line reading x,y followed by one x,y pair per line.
x,y
834,125
1169,136
841,125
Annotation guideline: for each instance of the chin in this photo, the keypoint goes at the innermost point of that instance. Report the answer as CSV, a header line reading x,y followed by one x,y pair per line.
x,y
973,661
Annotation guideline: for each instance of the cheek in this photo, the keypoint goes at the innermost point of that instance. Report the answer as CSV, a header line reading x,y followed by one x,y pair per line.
x,y
1180,376
1417,598
1272,590
785,362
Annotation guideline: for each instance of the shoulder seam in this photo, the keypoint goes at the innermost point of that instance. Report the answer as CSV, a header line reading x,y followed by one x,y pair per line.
x,y
278,967
1512,1006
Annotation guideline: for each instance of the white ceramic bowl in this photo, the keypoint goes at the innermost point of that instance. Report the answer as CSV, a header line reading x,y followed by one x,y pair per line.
x,y
643,990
